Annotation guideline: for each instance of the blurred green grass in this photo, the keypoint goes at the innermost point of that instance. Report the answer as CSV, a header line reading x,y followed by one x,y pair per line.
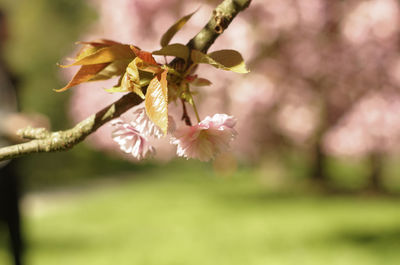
x,y
184,214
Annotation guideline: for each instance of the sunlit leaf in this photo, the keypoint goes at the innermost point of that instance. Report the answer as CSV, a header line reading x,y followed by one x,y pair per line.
x,y
156,101
120,89
147,67
130,81
176,50
86,51
105,59
106,55
166,38
228,60
91,47
113,69
84,74
126,85
133,72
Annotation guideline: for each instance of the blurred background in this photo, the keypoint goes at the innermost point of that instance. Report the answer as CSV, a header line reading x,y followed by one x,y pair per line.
x,y
313,176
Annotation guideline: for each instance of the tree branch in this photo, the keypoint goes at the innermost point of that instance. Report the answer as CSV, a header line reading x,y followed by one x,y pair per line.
x,y
44,141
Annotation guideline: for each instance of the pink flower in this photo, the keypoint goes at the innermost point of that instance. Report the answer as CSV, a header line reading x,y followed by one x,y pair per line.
x,y
130,140
205,139
146,127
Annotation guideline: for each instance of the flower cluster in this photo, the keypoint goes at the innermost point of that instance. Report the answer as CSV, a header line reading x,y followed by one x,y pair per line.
x,y
159,84
202,141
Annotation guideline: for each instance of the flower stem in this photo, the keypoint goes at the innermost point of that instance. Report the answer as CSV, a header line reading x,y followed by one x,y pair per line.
x,y
185,115
195,111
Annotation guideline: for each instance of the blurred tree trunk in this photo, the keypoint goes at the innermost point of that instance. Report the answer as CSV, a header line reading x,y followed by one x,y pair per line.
x,y
318,172
375,178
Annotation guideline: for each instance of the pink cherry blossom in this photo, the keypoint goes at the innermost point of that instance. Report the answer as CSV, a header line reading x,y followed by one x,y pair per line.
x,y
205,139
146,127
130,140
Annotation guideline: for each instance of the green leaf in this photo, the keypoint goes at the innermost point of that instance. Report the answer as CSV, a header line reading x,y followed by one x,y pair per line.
x,y
156,101
166,38
228,60
145,78
176,50
187,96
201,82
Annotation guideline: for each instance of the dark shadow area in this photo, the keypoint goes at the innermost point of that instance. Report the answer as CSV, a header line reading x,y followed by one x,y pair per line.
x,y
60,243
303,194
385,237
266,197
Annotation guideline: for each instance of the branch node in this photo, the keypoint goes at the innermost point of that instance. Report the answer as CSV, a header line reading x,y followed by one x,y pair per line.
x,y
221,21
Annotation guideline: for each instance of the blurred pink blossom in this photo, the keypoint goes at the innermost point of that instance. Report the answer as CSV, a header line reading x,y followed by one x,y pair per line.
x,y
206,139
372,126
372,20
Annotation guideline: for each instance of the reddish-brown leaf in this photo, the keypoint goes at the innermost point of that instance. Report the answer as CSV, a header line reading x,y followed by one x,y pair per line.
x,y
85,73
147,57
